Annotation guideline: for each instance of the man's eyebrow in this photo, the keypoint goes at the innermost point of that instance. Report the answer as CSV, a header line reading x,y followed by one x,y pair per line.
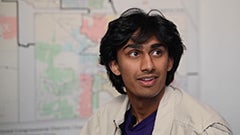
x,y
138,46
132,46
157,45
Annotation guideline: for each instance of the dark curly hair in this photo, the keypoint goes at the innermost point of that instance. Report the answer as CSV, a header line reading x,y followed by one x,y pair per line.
x,y
147,25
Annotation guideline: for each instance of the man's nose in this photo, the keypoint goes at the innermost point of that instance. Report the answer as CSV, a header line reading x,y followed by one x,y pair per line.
x,y
147,64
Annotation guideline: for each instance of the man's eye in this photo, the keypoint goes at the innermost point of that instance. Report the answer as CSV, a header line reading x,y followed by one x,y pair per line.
x,y
157,52
133,54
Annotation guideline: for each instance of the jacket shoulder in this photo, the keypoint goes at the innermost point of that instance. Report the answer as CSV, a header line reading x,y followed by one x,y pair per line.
x,y
101,122
191,112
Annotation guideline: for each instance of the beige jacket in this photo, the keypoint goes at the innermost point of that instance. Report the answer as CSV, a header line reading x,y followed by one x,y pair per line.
x,y
178,114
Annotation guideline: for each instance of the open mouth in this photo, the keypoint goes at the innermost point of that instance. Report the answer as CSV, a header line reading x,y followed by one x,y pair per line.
x,y
147,78
147,81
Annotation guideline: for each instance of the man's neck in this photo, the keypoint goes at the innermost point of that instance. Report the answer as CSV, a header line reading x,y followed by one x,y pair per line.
x,y
141,108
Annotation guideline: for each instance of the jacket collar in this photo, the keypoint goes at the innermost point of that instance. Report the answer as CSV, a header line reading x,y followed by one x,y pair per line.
x,y
165,113
122,110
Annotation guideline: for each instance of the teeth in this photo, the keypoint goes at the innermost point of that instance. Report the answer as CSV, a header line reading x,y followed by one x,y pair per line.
x,y
147,79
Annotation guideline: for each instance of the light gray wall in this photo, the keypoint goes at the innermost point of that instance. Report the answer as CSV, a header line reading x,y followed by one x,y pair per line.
x,y
219,57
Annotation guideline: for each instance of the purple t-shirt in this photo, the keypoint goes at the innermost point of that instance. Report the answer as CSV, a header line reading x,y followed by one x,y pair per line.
x,y
145,127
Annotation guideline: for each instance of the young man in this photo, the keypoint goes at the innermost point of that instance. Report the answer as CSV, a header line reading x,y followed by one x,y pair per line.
x,y
141,52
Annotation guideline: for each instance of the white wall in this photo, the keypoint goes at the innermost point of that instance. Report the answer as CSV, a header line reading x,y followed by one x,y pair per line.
x,y
219,57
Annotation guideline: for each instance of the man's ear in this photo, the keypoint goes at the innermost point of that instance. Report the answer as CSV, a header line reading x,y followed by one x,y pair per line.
x,y
170,64
114,67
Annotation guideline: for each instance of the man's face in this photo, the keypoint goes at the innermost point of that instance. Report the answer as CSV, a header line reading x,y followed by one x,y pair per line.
x,y
143,67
